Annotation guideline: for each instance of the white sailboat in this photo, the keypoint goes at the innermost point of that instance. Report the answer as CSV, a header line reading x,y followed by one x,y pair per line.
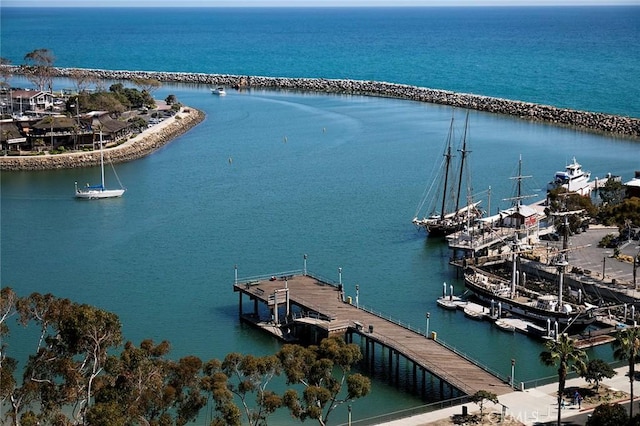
x,y
94,192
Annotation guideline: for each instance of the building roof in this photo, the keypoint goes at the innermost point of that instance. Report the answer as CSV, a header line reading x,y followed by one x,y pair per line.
x,y
55,122
26,94
9,130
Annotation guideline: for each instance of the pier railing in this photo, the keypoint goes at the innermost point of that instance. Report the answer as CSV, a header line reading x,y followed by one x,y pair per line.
x,y
403,414
285,274
438,341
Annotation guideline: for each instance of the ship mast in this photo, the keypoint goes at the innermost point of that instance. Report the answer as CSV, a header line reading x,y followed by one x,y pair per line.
x,y
448,156
463,152
517,200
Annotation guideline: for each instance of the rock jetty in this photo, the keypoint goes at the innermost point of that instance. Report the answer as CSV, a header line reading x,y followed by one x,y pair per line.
x,y
583,120
134,148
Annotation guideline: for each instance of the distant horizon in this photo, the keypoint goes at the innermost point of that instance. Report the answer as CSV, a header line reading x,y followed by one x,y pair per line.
x,y
312,3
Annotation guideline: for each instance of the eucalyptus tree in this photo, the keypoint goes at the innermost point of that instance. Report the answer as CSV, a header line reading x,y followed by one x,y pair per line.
x,y
133,385
7,364
324,371
627,347
563,353
38,68
71,353
215,382
249,375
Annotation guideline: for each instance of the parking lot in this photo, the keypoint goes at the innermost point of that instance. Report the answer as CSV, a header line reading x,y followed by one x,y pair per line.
x,y
585,254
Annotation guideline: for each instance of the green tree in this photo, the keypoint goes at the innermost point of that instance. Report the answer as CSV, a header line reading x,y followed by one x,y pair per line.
x,y
215,383
627,347
148,86
249,375
563,353
628,211
134,386
7,364
323,371
481,397
608,415
612,192
71,353
38,68
596,370
171,99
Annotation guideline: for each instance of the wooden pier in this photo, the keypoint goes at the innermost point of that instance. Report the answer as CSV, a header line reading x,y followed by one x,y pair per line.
x,y
296,307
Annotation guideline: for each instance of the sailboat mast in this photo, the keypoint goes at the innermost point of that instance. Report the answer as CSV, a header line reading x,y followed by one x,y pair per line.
x,y
101,160
447,155
463,152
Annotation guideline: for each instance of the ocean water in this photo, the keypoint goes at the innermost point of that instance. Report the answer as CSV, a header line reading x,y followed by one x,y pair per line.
x,y
335,177
576,57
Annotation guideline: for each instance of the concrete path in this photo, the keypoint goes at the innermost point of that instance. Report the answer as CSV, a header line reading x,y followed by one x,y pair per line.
x,y
535,406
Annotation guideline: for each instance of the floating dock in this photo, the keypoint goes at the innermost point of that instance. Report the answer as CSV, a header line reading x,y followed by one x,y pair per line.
x,y
478,312
300,307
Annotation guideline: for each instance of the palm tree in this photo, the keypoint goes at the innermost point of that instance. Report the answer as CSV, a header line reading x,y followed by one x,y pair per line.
x,y
627,346
563,352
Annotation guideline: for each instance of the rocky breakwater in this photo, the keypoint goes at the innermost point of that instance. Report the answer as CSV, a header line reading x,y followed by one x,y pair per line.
x,y
584,120
134,148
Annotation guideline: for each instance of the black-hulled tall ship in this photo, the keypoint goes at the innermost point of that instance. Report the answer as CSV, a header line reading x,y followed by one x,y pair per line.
x,y
446,215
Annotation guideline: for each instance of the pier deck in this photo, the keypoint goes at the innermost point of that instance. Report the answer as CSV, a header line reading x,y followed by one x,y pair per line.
x,y
334,315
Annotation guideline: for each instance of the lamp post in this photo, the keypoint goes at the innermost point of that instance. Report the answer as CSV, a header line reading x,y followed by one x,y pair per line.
x,y
426,333
235,272
357,295
304,271
635,268
349,407
513,367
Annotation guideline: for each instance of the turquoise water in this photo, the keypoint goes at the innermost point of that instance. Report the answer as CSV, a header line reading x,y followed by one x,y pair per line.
x,y
335,177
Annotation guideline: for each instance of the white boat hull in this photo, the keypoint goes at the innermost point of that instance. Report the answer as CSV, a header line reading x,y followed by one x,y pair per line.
x,y
94,194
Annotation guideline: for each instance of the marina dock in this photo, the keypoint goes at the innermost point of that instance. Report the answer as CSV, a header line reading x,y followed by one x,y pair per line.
x,y
298,307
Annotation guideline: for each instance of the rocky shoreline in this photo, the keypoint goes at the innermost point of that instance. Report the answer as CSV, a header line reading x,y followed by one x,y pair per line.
x,y
134,148
159,135
583,120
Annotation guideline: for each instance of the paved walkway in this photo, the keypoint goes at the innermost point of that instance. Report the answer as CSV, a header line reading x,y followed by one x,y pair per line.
x,y
531,407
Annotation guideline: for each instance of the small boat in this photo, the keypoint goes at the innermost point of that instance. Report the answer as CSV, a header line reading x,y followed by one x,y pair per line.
x,y
219,91
450,303
573,179
471,311
94,192
504,325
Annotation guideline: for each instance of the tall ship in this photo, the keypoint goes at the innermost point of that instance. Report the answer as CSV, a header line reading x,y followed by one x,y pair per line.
x,y
446,214
572,178
542,309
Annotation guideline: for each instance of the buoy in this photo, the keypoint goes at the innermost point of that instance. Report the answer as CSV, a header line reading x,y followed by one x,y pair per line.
x,y
230,160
